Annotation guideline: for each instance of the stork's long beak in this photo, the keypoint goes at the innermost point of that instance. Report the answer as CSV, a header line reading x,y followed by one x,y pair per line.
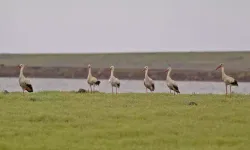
x,y
218,67
166,70
143,70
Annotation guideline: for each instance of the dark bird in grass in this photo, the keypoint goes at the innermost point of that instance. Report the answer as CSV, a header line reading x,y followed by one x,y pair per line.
x,y
81,91
5,91
192,103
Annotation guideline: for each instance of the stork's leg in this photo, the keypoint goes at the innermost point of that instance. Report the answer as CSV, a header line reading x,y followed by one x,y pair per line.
x,y
90,88
226,90
170,91
230,90
112,89
146,90
116,90
23,91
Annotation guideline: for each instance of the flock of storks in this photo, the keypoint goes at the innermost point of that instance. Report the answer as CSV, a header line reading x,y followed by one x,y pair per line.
x,y
115,82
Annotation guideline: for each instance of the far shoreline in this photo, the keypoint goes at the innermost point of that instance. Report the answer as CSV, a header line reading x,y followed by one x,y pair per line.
x,y
122,73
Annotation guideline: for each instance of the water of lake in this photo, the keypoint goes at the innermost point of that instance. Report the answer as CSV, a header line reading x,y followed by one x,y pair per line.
x,y
127,86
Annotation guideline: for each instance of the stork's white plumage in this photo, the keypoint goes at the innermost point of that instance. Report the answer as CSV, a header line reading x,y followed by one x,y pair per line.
x,y
148,82
92,81
172,85
227,79
23,81
115,82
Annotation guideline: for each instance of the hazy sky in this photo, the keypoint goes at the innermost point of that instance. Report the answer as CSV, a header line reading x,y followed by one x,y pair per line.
x,y
123,25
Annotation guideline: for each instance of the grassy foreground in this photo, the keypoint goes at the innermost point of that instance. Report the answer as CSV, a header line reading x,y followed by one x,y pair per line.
x,y
57,120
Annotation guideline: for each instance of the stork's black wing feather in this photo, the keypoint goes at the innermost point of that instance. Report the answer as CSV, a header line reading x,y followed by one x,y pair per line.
x,y
30,88
176,89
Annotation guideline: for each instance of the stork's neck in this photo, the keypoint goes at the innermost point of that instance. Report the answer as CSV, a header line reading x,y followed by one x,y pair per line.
x,y
89,74
222,71
146,73
169,72
21,72
112,73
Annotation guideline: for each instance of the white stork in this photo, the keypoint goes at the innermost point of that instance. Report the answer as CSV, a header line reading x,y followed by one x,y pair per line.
x,y
148,82
115,82
227,79
92,81
172,85
23,81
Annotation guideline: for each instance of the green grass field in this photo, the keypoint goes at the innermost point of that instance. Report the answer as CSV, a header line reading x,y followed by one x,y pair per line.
x,y
182,60
58,120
